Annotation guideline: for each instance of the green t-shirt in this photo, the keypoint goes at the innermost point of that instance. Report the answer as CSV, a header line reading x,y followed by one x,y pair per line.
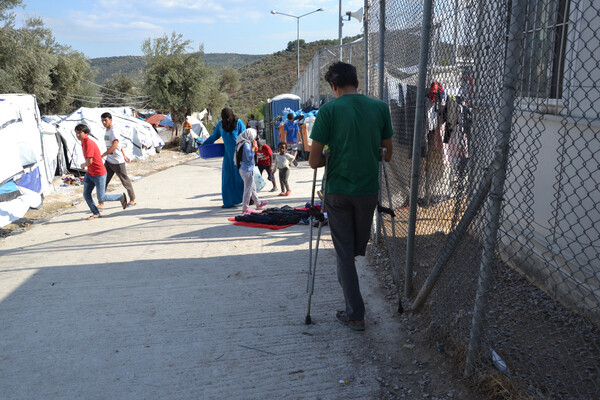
x,y
353,126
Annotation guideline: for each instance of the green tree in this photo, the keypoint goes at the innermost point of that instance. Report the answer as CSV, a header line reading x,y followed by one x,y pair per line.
x,y
6,5
70,79
229,81
26,60
118,91
175,79
292,45
32,62
258,111
221,88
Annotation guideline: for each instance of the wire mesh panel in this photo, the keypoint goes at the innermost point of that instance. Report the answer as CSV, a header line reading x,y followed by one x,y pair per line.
x,y
545,279
505,267
312,87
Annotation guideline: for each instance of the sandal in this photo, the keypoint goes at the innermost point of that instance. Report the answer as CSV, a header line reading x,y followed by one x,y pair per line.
x,y
345,320
131,204
93,216
100,206
124,201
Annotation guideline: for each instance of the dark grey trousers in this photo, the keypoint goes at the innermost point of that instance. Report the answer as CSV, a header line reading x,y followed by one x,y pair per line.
x,y
350,219
121,171
284,174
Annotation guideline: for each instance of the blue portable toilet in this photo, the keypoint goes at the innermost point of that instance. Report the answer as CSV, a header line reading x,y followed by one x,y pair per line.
x,y
273,109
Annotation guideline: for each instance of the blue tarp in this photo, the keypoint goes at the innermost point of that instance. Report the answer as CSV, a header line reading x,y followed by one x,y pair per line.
x,y
32,180
9,191
166,121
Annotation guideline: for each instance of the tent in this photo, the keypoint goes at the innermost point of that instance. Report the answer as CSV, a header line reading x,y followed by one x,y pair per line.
x,y
160,120
198,128
28,156
155,119
140,140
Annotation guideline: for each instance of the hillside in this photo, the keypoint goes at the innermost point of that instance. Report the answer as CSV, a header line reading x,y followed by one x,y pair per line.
x,y
132,66
272,75
261,76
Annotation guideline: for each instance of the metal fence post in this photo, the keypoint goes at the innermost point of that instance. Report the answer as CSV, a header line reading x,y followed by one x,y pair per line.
x,y
318,99
511,75
416,150
381,71
366,41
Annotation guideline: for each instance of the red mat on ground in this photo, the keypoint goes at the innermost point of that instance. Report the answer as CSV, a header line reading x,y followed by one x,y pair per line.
x,y
257,225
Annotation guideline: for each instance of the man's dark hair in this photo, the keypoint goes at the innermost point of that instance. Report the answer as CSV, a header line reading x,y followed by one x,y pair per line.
x,y
82,128
290,116
342,74
106,115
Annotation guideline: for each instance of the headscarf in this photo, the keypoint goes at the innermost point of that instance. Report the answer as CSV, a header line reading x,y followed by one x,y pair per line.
x,y
228,120
245,137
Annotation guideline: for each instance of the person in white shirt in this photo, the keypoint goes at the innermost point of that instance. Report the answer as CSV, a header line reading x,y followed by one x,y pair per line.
x,y
282,163
116,159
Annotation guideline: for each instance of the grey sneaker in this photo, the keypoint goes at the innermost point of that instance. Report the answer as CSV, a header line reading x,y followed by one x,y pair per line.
x,y
295,163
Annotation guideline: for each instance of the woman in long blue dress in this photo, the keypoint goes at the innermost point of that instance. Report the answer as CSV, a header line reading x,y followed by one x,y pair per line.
x,y
232,186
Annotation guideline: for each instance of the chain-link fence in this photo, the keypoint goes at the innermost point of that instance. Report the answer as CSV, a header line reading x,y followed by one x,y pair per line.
x,y
312,87
496,228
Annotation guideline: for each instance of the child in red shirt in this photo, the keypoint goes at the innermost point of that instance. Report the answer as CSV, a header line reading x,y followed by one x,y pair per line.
x,y
264,162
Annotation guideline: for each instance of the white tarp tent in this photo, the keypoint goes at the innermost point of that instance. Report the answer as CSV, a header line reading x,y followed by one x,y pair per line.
x,y
140,140
28,156
198,128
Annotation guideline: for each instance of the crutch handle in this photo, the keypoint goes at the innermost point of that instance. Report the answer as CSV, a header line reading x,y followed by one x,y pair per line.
x,y
382,153
382,209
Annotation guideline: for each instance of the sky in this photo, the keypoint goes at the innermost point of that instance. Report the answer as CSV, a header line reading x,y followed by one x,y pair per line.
x,y
106,28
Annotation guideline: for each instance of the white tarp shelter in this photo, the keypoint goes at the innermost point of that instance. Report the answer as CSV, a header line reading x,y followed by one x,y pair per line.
x,y
140,140
28,156
198,127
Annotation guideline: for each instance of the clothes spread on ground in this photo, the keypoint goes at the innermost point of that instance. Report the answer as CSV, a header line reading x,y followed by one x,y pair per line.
x,y
285,215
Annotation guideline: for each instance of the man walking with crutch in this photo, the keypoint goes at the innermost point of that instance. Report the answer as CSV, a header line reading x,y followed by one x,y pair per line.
x,y
354,127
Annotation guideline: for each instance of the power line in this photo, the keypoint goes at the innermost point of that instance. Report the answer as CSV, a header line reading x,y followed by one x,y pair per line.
x,y
113,90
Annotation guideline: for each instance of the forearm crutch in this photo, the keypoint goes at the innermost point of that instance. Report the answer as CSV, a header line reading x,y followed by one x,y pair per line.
x,y
319,215
387,210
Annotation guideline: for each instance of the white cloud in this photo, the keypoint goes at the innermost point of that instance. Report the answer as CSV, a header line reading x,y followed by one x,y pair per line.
x,y
208,6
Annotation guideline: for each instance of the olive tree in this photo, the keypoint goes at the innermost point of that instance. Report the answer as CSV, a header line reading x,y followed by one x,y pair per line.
x,y
174,78
32,62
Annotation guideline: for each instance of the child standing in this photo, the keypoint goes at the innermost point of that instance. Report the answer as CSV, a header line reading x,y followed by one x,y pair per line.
x,y
291,130
282,162
264,161
245,146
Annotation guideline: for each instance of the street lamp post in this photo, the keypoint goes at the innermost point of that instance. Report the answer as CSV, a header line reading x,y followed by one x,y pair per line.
x,y
297,32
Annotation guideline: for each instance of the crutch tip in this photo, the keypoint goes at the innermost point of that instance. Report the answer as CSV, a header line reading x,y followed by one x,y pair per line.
x,y
307,320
